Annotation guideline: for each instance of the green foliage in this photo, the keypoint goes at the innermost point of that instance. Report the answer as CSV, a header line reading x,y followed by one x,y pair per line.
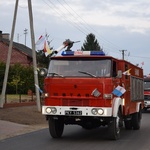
x,y
14,79
91,44
2,72
20,79
42,60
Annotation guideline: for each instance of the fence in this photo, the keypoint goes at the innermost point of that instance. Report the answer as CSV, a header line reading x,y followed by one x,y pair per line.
x,y
19,98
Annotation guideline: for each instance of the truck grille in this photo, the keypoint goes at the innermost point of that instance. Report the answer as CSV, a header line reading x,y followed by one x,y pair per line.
x,y
75,102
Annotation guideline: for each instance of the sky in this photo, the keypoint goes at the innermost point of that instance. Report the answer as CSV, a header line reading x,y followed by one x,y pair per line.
x,y
117,25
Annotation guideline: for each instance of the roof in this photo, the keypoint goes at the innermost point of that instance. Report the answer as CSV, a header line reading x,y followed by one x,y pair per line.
x,y
24,49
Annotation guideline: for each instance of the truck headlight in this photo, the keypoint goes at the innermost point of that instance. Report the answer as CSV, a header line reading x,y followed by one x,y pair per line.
x,y
54,110
51,110
94,111
48,110
97,111
100,111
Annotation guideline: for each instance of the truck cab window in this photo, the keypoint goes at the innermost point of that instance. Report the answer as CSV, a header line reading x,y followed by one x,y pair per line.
x,y
114,70
97,68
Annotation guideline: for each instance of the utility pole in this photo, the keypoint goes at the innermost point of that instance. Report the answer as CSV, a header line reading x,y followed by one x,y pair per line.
x,y
18,37
25,33
123,53
34,56
8,57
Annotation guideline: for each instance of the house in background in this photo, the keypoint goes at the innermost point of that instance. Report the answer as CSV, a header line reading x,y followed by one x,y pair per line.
x,y
20,53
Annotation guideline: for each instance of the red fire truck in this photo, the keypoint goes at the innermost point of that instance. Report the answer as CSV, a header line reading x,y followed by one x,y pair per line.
x,y
146,93
90,89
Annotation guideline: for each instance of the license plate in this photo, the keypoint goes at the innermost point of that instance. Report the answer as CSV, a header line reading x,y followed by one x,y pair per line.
x,y
73,112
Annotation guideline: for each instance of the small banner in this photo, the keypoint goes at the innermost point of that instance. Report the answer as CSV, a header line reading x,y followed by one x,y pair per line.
x,y
119,91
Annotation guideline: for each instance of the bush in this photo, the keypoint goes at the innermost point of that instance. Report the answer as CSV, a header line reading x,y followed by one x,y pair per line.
x,y
20,79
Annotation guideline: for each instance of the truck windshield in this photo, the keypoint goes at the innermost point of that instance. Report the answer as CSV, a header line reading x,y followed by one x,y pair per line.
x,y
81,68
146,85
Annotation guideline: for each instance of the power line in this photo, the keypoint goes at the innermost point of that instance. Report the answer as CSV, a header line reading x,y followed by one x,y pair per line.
x,y
62,15
86,26
75,18
82,26
140,57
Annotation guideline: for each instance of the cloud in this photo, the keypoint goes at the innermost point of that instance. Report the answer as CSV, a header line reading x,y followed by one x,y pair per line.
x,y
117,24
133,16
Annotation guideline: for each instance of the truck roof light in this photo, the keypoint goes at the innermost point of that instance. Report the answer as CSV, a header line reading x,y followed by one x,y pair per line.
x,y
97,53
70,53
67,53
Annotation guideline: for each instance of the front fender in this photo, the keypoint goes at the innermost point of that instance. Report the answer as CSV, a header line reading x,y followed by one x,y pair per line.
x,y
116,103
138,107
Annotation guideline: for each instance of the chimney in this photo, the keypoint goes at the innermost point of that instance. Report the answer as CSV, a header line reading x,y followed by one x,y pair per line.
x,y
0,35
5,36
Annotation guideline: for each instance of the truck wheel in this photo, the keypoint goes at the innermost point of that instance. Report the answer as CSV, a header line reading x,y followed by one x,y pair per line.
x,y
114,127
56,127
136,120
128,124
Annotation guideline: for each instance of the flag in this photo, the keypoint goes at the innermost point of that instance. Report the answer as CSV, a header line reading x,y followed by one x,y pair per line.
x,y
142,63
47,50
127,72
119,90
40,43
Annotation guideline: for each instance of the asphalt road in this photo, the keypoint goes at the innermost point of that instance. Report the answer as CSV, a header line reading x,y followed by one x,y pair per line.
x,y
75,137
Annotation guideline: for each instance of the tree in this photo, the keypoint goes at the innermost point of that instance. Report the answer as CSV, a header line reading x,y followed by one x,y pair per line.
x,y
15,80
2,71
91,44
42,60
20,79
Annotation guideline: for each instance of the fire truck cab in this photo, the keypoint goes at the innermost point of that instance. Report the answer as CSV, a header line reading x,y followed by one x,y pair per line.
x,y
90,89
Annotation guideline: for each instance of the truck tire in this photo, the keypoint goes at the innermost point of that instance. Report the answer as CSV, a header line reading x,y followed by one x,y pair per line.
x,y
115,127
56,127
128,124
136,120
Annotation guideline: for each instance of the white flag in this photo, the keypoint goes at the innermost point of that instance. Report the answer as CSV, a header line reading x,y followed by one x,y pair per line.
x,y
119,91
127,72
40,43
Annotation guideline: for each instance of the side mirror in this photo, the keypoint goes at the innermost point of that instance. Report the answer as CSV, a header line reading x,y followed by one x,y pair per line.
x,y
119,74
43,72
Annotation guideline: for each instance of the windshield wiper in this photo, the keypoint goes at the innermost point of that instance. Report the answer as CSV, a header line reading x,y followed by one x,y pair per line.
x,y
53,74
92,75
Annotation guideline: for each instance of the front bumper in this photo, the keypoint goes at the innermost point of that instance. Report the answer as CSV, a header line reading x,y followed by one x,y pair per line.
x,y
147,104
77,111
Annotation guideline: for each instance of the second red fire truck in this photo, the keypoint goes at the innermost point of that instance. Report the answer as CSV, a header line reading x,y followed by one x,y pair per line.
x,y
146,93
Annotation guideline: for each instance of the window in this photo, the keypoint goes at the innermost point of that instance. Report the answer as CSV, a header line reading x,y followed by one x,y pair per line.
x,y
80,67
